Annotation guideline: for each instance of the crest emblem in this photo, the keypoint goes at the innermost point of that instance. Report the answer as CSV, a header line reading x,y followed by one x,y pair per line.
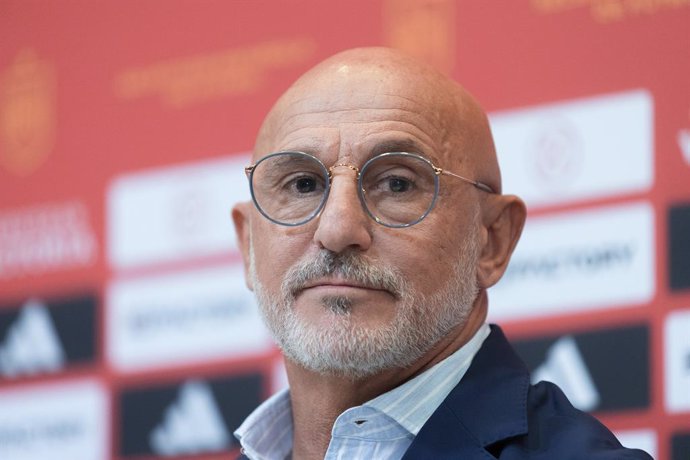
x,y
424,29
27,113
557,152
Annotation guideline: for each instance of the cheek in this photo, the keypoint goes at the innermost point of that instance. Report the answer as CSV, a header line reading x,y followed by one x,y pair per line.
x,y
427,255
276,249
421,259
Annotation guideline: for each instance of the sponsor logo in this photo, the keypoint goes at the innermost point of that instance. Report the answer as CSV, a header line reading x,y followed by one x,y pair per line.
x,y
191,425
31,344
594,369
27,113
46,336
174,213
565,152
565,367
608,11
192,80
183,317
58,421
579,261
677,361
424,29
45,238
679,246
193,417
680,446
644,439
556,153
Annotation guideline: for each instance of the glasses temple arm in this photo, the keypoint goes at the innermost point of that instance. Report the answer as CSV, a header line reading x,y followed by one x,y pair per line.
x,y
480,185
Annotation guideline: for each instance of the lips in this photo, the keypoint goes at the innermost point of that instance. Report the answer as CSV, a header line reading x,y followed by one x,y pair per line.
x,y
336,282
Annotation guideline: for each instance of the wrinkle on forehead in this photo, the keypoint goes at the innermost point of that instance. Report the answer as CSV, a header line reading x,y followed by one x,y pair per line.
x,y
377,84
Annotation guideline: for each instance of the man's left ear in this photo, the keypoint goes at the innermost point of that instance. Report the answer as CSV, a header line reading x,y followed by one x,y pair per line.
x,y
503,217
240,217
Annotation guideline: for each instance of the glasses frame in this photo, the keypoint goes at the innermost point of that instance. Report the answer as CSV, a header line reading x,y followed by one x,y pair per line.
x,y
361,191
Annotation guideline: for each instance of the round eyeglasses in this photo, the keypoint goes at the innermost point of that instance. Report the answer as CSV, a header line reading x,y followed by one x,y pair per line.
x,y
397,189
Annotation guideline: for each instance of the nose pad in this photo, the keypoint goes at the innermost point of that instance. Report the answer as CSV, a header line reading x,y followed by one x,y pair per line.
x,y
343,223
344,165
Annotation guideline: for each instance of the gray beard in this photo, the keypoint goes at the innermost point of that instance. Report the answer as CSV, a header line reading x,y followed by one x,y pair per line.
x,y
348,349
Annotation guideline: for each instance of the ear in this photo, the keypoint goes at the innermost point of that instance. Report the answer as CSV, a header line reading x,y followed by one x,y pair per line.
x,y
503,217
240,217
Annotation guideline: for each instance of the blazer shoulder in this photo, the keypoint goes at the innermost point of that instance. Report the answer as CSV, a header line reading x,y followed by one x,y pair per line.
x,y
557,430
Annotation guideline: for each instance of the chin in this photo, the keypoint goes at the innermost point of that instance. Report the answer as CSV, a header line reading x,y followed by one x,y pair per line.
x,y
343,347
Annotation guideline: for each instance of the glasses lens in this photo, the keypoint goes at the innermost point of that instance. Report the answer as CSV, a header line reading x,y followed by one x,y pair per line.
x,y
289,187
399,189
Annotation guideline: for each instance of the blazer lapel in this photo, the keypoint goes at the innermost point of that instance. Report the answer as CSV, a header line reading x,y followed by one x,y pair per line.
x,y
486,407
445,438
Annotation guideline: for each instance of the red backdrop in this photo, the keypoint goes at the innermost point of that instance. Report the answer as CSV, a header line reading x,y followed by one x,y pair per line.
x,y
125,327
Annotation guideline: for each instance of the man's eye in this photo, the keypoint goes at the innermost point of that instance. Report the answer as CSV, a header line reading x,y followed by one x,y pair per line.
x,y
301,184
305,184
398,185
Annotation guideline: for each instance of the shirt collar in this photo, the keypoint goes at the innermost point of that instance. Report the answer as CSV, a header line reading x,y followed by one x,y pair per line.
x,y
412,403
267,433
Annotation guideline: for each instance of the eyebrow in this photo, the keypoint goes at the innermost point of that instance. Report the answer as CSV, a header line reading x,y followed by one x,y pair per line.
x,y
310,148
391,145
400,145
397,145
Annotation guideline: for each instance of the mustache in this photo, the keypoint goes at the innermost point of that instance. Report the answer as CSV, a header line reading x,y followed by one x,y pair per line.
x,y
349,265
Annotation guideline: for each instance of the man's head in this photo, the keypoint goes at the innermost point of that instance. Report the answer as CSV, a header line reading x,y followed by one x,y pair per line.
x,y
342,293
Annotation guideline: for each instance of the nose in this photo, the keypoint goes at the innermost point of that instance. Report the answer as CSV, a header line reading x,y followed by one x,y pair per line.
x,y
343,223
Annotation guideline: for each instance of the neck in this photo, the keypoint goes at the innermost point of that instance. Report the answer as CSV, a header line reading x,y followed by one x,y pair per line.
x,y
318,399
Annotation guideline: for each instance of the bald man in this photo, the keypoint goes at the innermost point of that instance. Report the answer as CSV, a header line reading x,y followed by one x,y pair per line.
x,y
376,226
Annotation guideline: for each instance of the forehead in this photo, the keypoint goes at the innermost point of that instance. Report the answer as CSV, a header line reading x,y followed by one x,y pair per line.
x,y
359,115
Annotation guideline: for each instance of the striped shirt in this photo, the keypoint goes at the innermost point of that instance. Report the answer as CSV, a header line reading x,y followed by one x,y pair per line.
x,y
382,428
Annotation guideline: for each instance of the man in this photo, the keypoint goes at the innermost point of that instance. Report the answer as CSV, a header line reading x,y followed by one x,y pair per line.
x,y
376,227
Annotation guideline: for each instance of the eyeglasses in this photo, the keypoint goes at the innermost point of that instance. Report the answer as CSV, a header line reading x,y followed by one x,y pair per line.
x,y
396,189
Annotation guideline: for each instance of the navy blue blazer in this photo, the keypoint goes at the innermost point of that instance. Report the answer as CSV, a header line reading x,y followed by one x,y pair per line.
x,y
494,412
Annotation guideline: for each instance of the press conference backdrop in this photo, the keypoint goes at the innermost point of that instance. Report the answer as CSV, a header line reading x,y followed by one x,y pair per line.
x,y
126,330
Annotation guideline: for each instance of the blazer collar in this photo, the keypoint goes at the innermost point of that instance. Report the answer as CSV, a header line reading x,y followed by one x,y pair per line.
x,y
487,406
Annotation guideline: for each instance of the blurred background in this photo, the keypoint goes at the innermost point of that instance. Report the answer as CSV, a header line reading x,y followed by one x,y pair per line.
x,y
126,329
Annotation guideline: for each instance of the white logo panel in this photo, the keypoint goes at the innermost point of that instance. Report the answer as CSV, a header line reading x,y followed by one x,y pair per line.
x,y
684,144
580,149
579,261
183,317
54,421
175,212
677,361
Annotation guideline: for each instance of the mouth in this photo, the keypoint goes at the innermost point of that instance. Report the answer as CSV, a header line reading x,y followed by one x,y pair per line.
x,y
340,285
